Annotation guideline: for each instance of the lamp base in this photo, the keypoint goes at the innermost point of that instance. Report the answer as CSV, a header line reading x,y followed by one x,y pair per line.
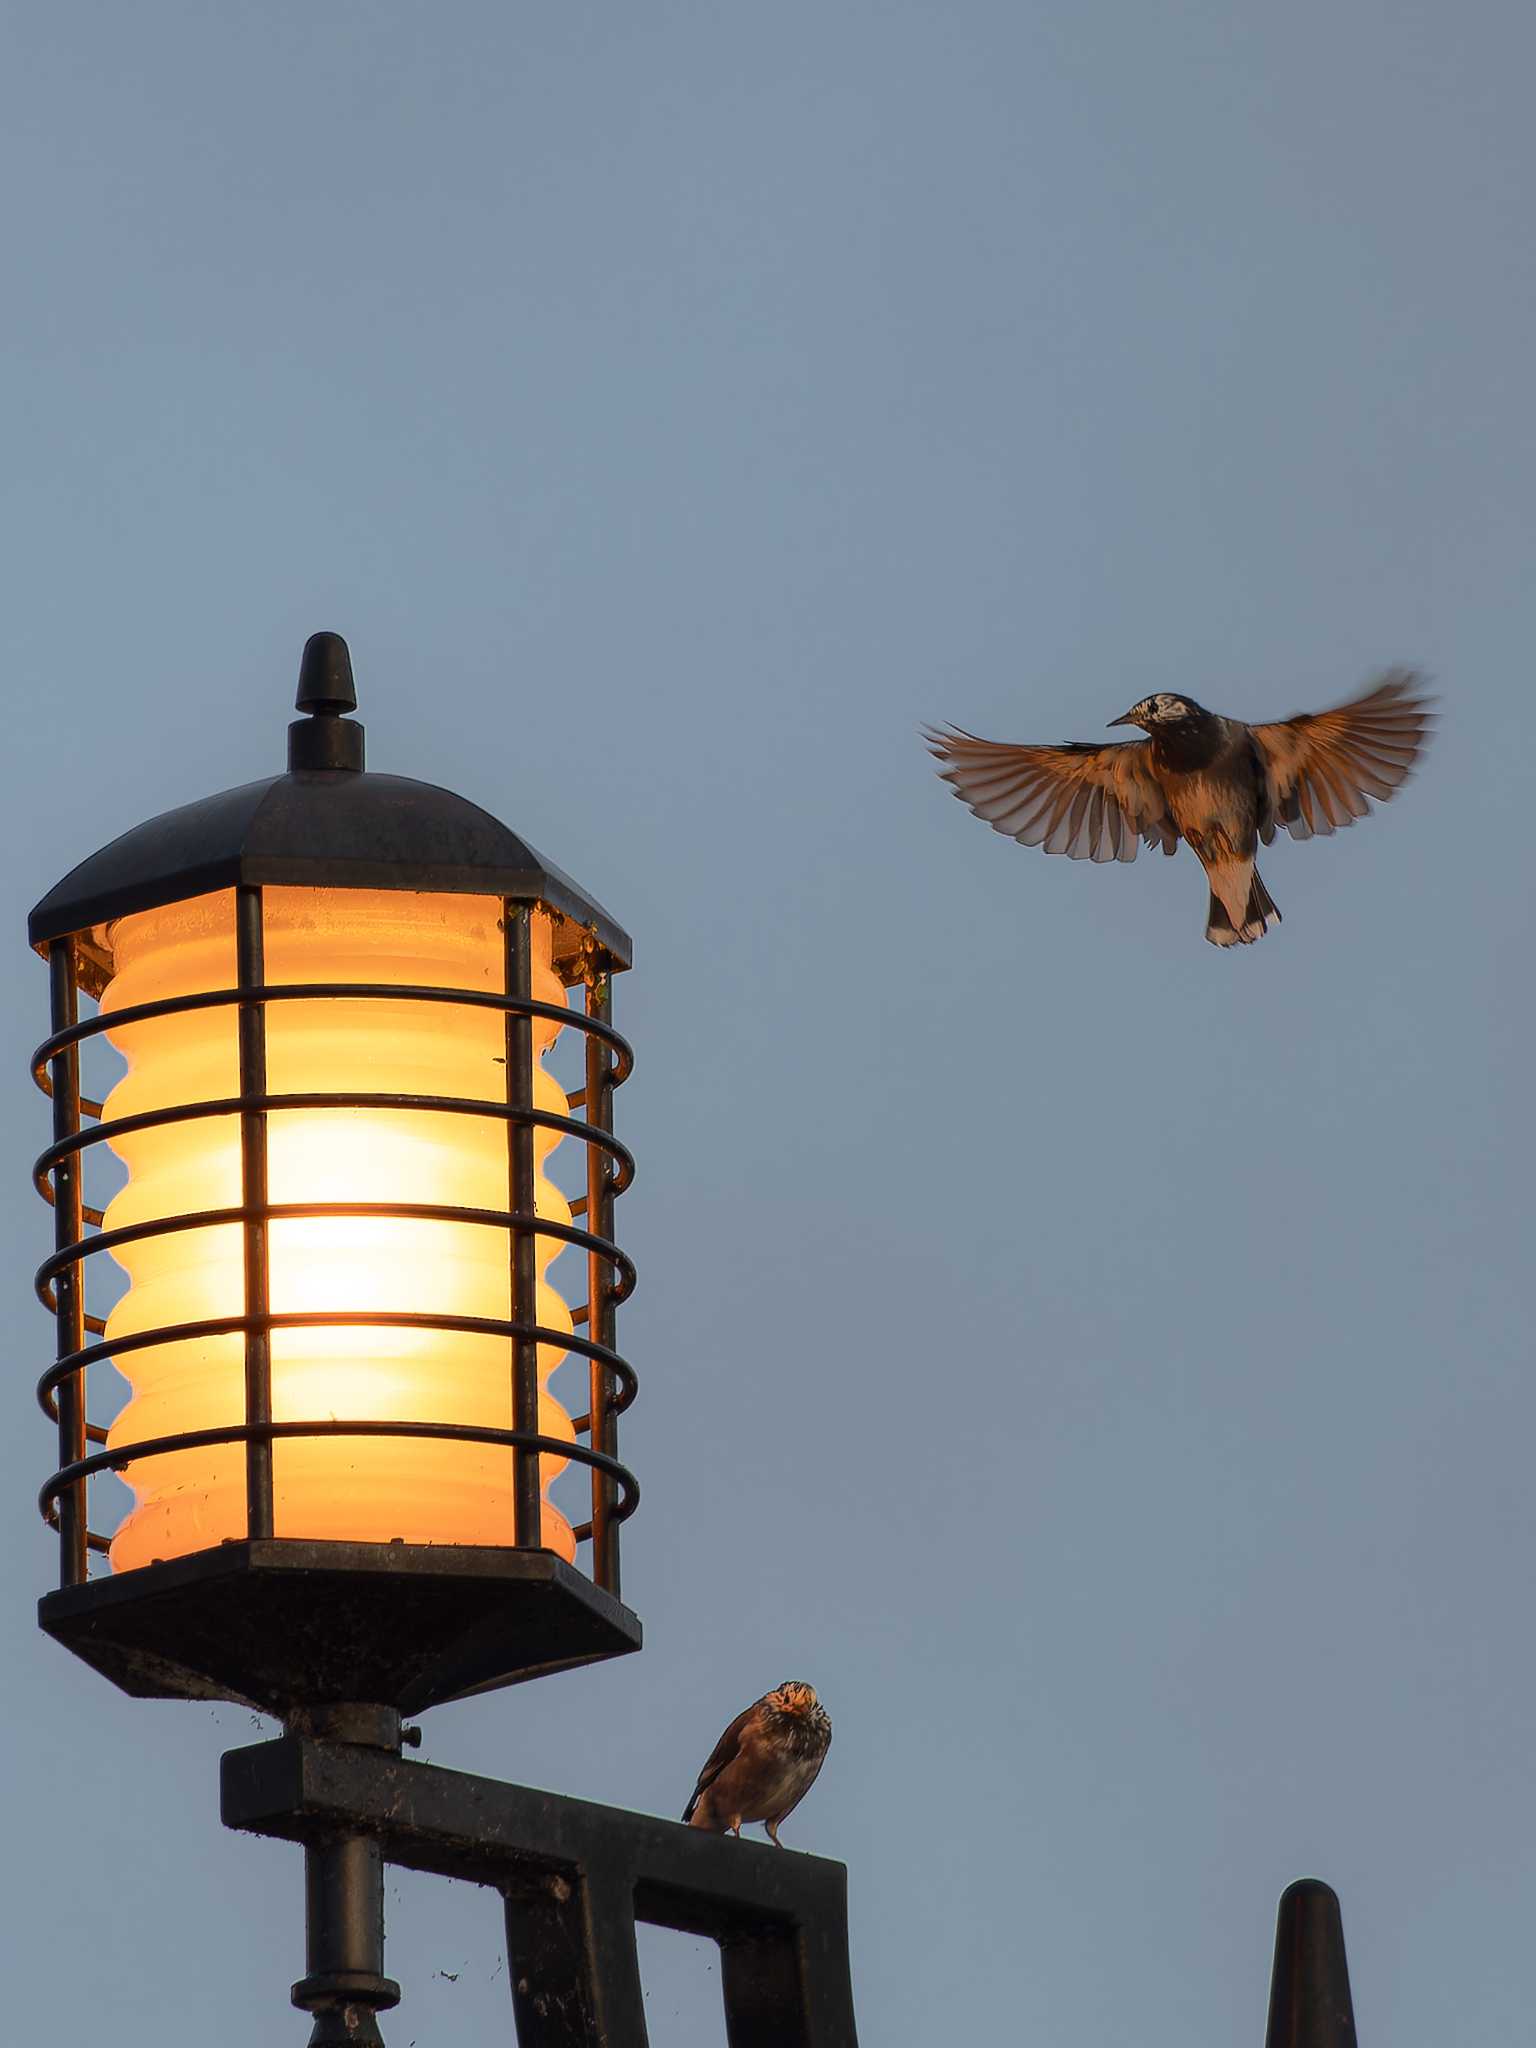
x,y
278,1623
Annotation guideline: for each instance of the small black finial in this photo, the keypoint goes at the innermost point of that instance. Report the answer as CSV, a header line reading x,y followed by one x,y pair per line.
x,y
1309,2001
325,675
325,739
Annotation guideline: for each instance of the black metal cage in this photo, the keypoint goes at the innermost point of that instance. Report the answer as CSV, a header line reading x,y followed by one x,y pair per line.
x,y
278,1620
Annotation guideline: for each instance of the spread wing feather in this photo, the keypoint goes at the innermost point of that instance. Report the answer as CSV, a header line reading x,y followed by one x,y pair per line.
x,y
1323,766
1090,802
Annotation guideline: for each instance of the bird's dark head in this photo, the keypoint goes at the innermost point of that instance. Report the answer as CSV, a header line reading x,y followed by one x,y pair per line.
x,y
792,1697
1158,713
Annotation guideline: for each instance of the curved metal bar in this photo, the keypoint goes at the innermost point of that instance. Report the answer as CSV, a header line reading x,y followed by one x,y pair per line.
x,y
245,1432
336,991
48,1296
239,1105
45,1188
87,1105
341,1319
427,1212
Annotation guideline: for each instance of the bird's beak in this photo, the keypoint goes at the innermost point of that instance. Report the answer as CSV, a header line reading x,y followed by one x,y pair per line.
x,y
1129,719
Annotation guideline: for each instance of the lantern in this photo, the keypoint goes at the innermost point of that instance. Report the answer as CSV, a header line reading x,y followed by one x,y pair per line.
x,y
364,1214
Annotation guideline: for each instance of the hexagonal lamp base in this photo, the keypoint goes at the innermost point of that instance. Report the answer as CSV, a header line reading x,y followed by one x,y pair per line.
x,y
280,1623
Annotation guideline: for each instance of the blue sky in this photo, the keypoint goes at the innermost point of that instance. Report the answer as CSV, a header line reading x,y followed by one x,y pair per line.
x,y
1099,1364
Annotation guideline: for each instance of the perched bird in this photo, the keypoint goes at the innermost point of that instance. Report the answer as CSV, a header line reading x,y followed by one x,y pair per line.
x,y
764,1763
1213,781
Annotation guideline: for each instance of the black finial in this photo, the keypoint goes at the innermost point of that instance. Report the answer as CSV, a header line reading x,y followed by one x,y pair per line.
x,y
325,739
1309,2001
325,675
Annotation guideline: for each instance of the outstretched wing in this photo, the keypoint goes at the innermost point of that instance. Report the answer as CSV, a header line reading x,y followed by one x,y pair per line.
x,y
1322,766
724,1752
1091,802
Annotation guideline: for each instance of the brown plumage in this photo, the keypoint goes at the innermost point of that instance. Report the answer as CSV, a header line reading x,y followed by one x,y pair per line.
x,y
1215,782
764,1763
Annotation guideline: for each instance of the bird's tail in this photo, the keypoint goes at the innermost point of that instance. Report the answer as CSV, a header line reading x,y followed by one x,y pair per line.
x,y
1260,914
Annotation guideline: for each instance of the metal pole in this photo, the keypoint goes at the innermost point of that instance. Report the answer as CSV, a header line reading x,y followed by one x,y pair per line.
x,y
251,973
68,1223
344,1984
526,1485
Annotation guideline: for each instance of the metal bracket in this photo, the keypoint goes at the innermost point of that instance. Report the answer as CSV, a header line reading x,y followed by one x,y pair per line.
x,y
576,1877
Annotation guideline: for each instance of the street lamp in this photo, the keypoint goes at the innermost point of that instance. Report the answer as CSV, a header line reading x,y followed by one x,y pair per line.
x,y
334,994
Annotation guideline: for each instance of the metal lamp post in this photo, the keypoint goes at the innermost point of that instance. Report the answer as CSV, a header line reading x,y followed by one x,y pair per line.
x,y
348,1225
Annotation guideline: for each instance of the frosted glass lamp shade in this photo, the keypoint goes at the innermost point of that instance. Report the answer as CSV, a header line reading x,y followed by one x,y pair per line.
x,y
362,1489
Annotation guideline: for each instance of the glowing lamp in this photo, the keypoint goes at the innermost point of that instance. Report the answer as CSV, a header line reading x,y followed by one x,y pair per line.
x,y
360,1130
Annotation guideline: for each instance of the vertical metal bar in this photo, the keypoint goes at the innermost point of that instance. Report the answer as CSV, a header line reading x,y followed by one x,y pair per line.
x,y
826,1974
761,1983
69,1291
573,1960
526,1484
601,1318
344,1983
250,972
791,1987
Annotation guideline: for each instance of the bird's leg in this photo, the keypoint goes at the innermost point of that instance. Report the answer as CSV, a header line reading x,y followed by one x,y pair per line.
x,y
736,1827
773,1833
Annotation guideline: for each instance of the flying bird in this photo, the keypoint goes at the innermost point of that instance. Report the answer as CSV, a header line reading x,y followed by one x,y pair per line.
x,y
1219,784
764,1763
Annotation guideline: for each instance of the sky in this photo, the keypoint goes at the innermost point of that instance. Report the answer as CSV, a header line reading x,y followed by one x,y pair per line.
x,y
1098,1363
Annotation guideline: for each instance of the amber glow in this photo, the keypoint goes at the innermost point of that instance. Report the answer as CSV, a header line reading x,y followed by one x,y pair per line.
x,y
365,1490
